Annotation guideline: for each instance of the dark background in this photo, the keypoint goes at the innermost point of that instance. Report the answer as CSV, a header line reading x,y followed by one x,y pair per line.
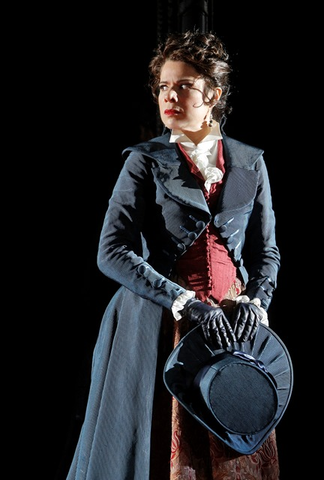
x,y
88,68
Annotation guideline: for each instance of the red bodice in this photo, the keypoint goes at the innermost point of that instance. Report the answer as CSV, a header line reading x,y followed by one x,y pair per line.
x,y
206,267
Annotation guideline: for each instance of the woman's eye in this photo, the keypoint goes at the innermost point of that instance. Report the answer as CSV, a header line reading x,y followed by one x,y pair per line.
x,y
182,86
185,86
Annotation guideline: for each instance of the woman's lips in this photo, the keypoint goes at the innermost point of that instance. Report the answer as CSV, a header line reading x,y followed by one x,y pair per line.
x,y
171,112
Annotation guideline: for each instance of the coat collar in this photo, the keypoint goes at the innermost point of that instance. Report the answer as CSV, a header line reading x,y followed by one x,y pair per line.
x,y
174,176
236,153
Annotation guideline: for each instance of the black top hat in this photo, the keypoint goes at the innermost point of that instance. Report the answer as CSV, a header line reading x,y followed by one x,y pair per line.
x,y
239,394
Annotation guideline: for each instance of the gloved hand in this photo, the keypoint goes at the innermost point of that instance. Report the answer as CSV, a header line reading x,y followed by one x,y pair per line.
x,y
215,325
246,317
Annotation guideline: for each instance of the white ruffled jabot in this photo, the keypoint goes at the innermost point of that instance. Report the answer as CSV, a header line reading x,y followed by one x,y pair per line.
x,y
204,154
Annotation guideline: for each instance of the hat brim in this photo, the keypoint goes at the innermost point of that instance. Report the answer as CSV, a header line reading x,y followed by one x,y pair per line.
x,y
193,353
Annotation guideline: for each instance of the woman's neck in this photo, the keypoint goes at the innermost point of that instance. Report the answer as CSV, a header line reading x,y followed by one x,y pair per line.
x,y
199,135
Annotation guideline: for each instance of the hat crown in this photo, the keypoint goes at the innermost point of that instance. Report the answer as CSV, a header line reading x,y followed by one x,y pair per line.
x,y
238,392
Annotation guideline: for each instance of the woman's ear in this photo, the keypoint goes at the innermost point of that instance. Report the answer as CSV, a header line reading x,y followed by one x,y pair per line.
x,y
218,93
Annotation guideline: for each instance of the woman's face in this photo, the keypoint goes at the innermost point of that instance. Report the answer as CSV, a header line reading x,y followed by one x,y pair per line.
x,y
181,100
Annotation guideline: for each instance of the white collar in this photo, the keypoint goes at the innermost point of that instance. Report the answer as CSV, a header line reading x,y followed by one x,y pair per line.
x,y
178,137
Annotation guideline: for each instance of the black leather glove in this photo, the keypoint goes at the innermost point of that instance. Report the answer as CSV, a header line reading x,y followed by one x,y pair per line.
x,y
216,327
245,320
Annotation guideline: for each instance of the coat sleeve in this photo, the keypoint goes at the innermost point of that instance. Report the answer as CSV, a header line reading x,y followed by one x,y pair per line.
x,y
261,250
121,244
246,222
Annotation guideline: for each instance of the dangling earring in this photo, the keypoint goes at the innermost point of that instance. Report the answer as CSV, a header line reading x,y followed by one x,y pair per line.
x,y
210,123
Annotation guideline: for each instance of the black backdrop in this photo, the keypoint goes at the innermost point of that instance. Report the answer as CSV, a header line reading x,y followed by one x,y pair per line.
x,y
96,103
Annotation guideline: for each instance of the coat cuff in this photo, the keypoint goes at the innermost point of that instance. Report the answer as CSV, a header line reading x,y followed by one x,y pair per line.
x,y
180,302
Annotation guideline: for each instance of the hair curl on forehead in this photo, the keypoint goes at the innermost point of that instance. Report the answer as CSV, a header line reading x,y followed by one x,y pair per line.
x,y
206,53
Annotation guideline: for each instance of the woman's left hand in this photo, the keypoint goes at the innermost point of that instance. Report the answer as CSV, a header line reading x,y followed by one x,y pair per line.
x,y
245,320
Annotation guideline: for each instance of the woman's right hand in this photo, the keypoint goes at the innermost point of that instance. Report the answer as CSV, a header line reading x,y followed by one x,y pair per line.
x,y
215,325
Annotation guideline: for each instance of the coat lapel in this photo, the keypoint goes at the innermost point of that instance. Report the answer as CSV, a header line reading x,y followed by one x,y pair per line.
x,y
175,178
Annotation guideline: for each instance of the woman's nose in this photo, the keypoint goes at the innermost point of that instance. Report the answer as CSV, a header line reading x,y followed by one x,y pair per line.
x,y
171,96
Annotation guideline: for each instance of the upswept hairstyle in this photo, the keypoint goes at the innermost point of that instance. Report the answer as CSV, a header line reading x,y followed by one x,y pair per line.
x,y
206,53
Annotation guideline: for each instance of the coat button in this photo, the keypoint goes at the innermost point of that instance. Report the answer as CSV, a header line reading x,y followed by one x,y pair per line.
x,y
200,225
158,282
192,235
143,270
181,247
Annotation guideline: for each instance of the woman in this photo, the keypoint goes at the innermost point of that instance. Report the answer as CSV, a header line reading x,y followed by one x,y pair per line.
x,y
189,234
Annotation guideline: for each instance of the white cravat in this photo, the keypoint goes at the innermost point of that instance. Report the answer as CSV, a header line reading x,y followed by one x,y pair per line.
x,y
204,154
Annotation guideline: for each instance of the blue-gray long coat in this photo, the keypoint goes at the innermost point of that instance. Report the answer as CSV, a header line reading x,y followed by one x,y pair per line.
x,y
155,213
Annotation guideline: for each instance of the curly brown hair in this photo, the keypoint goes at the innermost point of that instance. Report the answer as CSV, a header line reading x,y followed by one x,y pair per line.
x,y
206,53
